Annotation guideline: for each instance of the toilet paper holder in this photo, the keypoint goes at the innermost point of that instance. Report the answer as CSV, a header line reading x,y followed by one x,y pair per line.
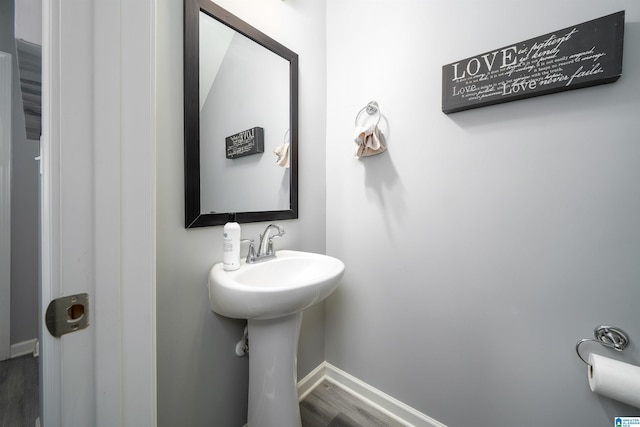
x,y
608,336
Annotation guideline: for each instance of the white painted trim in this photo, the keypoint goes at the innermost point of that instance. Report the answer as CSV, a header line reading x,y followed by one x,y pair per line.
x,y
5,205
124,118
107,200
23,348
51,360
372,396
138,212
311,381
115,385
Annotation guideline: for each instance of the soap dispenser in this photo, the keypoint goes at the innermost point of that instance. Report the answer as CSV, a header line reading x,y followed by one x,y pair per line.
x,y
231,245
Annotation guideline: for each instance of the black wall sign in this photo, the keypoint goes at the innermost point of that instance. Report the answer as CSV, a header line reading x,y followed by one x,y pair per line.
x,y
250,141
584,55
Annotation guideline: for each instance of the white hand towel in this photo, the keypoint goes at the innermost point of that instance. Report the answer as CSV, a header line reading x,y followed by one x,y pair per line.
x,y
369,141
282,151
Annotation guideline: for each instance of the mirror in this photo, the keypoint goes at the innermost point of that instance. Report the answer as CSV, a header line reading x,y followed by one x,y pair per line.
x,y
240,104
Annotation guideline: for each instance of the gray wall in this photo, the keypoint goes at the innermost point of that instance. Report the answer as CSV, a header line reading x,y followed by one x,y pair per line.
x,y
479,249
483,244
200,380
24,203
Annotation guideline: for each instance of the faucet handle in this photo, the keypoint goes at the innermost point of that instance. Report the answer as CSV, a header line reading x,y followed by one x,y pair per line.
x,y
251,254
270,250
270,246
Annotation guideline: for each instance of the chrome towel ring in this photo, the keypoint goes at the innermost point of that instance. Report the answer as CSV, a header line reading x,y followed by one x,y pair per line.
x,y
371,109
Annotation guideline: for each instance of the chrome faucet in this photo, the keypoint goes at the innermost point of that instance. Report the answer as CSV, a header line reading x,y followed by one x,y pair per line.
x,y
265,247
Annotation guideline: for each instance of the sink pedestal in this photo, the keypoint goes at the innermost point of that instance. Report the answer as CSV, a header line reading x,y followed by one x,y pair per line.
x,y
272,296
273,393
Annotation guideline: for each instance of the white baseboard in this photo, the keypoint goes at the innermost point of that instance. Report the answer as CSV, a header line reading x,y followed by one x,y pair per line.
x,y
25,347
311,381
372,396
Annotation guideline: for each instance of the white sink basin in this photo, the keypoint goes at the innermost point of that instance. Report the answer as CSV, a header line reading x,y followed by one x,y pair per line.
x,y
274,288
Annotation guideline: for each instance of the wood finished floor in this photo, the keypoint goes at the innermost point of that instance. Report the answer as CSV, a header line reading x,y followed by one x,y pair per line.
x,y
330,406
19,395
326,406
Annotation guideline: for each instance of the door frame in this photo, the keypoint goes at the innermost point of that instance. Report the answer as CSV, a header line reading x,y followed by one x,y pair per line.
x,y
6,73
98,210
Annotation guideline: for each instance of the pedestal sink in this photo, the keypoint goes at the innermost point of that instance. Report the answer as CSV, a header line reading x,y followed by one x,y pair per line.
x,y
271,295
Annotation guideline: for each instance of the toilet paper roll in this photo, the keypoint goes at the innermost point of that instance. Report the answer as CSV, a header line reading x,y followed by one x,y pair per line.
x,y
614,379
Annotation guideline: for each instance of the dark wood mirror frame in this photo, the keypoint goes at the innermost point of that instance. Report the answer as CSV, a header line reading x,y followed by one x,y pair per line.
x,y
193,216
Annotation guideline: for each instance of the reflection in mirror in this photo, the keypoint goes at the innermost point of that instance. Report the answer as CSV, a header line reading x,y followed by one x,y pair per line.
x,y
242,86
241,90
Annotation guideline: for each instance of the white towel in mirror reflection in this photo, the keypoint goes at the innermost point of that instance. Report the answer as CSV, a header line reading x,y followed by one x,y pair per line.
x,y
282,151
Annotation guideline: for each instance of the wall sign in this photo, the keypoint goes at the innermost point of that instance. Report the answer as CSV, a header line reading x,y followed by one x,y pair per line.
x,y
583,55
250,141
